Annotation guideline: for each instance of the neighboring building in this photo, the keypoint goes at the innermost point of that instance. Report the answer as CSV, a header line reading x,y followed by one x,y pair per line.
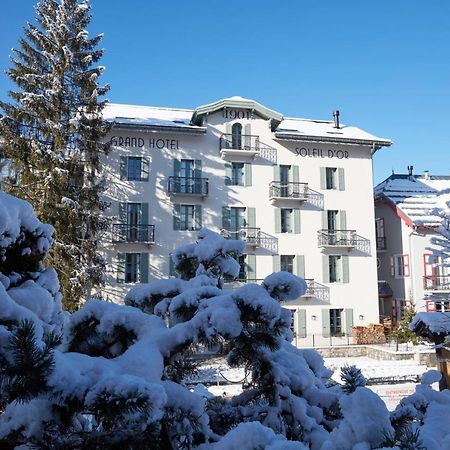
x,y
298,191
406,221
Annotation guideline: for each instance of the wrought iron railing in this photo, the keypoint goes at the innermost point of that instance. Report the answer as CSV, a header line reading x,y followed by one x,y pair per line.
x,y
338,238
293,190
436,282
251,235
122,232
381,242
240,142
317,290
188,186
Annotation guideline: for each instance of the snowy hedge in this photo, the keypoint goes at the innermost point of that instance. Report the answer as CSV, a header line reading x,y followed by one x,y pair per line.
x,y
112,376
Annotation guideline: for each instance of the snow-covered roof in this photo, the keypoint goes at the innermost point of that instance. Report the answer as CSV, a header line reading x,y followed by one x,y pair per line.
x,y
417,196
190,120
434,326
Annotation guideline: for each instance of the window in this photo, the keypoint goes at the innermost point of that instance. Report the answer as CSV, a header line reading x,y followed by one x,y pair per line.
x,y
236,136
237,218
134,168
284,180
331,177
335,322
187,217
400,266
379,232
237,174
287,263
293,321
242,268
332,220
335,268
286,220
132,262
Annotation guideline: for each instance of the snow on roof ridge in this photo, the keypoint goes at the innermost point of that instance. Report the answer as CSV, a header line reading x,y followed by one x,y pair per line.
x,y
313,120
164,108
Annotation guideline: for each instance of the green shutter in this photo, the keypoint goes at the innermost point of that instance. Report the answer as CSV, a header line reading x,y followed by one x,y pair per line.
x,y
198,176
197,217
326,322
251,217
341,179
123,217
143,268
123,168
295,174
277,220
176,167
251,267
276,173
325,219
348,321
345,269
176,216
301,323
144,214
248,174
144,169
323,178
226,217
300,266
228,173
121,267
297,222
326,268
247,139
276,263
343,220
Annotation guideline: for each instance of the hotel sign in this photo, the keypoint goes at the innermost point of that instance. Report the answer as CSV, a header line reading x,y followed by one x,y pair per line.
x,y
321,153
127,141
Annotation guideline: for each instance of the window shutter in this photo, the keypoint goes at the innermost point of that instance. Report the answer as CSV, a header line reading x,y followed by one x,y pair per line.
x,y
123,212
326,268
300,266
276,173
176,216
143,268
343,220
172,272
325,219
248,174
348,321
197,217
144,214
341,179
176,167
277,220
301,323
226,217
247,139
392,266
228,173
276,263
297,222
121,268
251,267
326,323
345,269
251,217
295,174
405,265
323,178
123,168
144,169
198,176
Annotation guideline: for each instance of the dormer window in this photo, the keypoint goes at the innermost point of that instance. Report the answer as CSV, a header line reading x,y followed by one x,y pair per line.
x,y
236,136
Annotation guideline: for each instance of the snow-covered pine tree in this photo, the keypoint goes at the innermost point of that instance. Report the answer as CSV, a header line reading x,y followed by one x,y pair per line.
x,y
352,378
52,131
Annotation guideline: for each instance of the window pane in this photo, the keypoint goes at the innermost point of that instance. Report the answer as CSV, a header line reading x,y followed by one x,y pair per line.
x,y
237,174
286,220
331,177
134,168
132,267
187,217
287,263
335,321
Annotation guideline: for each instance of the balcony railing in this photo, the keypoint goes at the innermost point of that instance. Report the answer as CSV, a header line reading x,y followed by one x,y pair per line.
x,y
188,186
133,233
252,236
436,282
248,142
337,238
316,290
381,243
291,190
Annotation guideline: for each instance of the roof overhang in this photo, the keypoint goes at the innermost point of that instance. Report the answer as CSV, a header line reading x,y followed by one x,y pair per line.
x,y
238,103
158,128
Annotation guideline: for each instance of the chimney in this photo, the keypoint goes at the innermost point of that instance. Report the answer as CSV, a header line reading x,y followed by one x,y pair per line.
x,y
426,174
336,118
410,172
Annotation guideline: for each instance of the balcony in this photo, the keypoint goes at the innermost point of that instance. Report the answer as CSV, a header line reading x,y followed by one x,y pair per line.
x,y
191,186
245,147
141,234
288,192
252,236
436,283
381,243
346,239
316,290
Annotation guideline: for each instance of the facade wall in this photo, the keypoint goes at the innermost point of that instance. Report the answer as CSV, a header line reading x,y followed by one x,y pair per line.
x,y
357,298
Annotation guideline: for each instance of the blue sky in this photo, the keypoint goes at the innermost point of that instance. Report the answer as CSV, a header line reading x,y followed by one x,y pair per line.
x,y
385,65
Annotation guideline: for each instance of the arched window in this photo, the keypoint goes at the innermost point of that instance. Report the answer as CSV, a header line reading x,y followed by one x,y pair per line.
x,y
236,135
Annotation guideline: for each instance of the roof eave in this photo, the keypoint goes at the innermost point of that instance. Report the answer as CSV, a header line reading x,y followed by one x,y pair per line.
x,y
154,128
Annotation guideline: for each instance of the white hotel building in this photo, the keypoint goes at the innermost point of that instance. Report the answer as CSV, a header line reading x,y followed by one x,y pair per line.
x,y
299,192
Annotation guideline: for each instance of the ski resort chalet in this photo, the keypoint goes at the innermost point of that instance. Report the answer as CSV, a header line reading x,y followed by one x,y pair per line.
x,y
406,210
298,191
